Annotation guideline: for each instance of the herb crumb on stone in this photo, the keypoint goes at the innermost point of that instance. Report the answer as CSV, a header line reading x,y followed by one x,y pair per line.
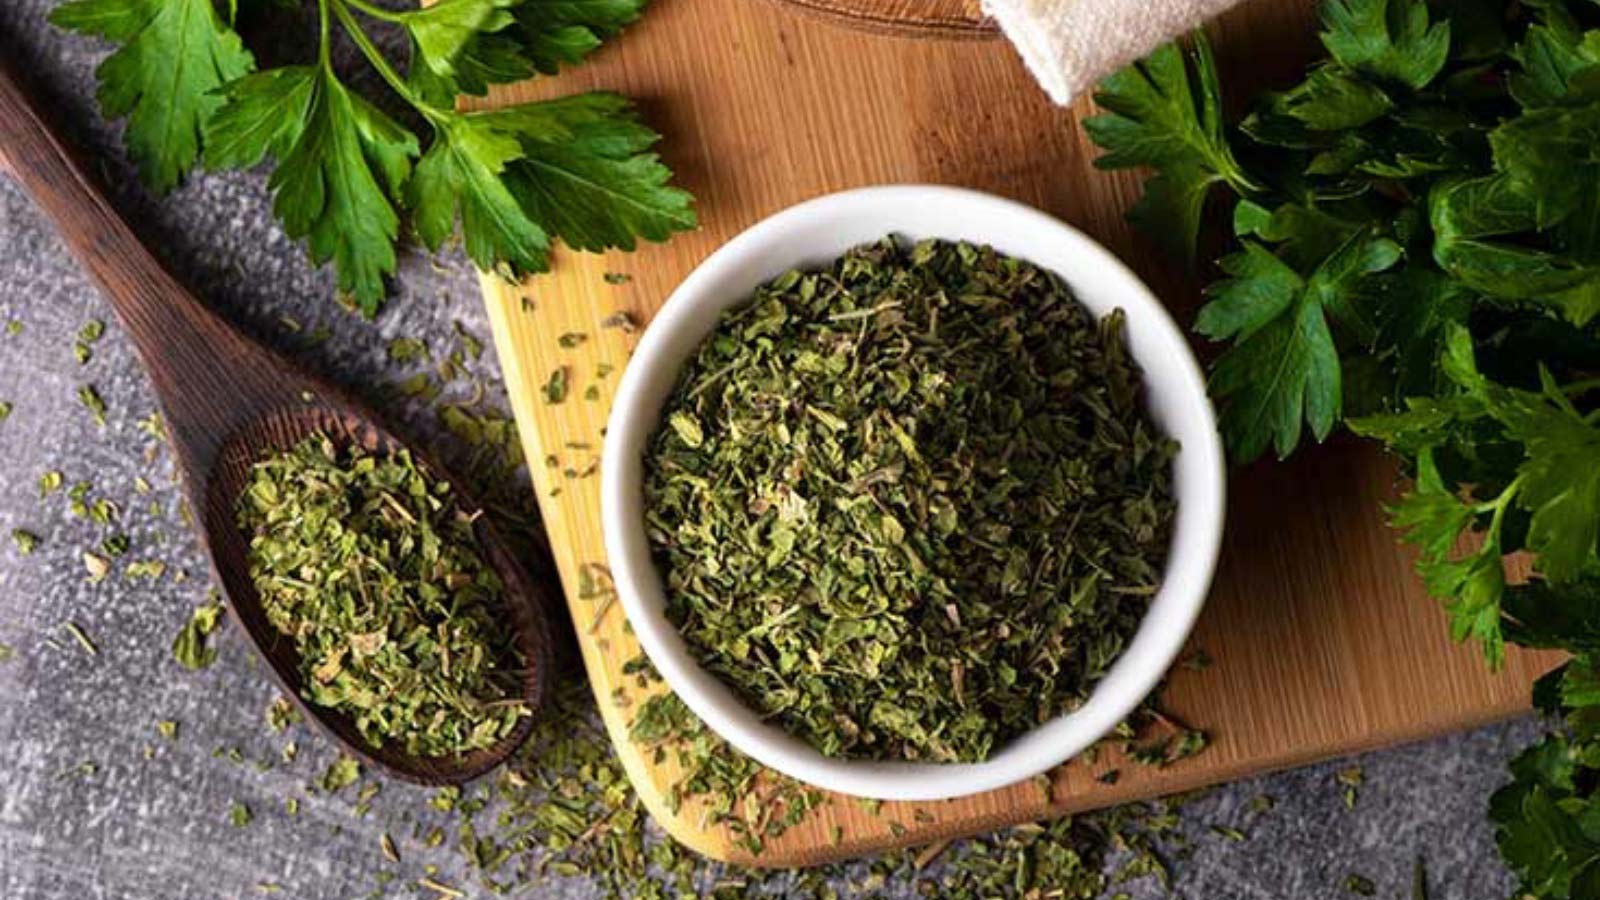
x,y
191,648
82,637
93,402
25,540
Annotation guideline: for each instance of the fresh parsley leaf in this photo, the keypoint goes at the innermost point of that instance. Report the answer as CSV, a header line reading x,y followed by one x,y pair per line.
x,y
563,32
175,54
464,171
1549,157
578,169
1284,369
1556,60
574,168
1559,481
1564,617
1390,39
458,42
1158,116
1433,517
1465,133
589,178
1468,214
1332,99
335,184
263,115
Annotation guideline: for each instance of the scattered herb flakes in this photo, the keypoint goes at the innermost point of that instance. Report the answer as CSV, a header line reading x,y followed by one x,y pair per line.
x,y
86,769
94,403
386,843
92,331
341,773
167,728
572,339
1419,880
601,370
239,815
591,393
268,887
555,389
621,320
25,540
407,350
1261,804
281,714
1360,885
617,278
420,385
5,410
369,564
97,566
115,545
291,806
141,485
82,637
103,512
191,648
50,482
1230,833
7,653
148,569
14,327
443,890
1350,781
469,341
862,458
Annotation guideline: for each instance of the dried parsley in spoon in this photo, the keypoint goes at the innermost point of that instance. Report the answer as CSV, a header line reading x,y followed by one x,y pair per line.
x,y
910,506
368,564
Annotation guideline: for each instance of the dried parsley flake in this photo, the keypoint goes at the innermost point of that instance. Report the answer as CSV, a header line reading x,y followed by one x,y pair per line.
x,y
372,568
910,506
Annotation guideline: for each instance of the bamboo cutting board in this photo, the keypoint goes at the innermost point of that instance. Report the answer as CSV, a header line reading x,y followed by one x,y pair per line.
x,y
1324,643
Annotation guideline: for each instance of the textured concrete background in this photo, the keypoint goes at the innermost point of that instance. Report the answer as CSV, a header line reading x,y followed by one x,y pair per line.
x,y
158,827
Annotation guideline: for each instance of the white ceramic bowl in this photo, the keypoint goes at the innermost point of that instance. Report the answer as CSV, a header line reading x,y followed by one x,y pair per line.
x,y
812,235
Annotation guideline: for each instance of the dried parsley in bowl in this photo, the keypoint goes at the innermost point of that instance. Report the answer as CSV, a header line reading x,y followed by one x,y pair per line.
x,y
370,566
910,506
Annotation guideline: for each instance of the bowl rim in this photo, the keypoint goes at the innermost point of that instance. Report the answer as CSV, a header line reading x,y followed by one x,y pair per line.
x,y
725,278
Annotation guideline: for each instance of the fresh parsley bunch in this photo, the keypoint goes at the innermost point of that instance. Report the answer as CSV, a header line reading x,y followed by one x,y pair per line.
x,y
513,179
1415,252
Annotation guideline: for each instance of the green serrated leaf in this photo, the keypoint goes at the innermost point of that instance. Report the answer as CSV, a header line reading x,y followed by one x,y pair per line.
x,y
1390,39
1158,116
334,186
463,173
1287,371
175,54
595,185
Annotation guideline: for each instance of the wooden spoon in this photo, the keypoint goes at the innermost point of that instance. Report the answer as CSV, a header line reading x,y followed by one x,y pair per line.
x,y
227,402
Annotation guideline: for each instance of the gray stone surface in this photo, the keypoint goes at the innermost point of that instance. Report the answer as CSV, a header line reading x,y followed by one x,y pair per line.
x,y
158,828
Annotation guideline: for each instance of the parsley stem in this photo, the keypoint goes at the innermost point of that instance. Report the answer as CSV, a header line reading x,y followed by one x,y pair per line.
x,y
381,62
377,12
1578,388
324,32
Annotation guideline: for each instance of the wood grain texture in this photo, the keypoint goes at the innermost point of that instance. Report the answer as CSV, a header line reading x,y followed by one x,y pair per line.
x,y
226,401
1324,641
943,19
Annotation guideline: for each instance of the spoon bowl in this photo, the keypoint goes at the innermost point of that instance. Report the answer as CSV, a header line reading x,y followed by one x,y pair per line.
x,y
228,402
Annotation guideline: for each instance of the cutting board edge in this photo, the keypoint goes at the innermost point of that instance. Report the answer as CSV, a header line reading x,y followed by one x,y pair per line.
x,y
1182,780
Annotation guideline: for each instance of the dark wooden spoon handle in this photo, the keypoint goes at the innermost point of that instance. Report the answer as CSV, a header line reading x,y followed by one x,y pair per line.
x,y
208,376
